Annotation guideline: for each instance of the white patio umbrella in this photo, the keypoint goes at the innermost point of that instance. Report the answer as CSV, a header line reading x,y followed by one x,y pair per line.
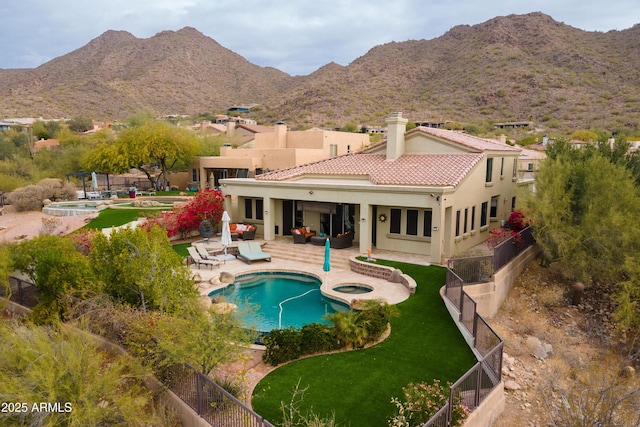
x,y
94,181
225,239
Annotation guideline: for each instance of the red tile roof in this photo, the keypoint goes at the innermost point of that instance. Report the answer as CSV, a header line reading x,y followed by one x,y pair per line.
x,y
465,139
437,170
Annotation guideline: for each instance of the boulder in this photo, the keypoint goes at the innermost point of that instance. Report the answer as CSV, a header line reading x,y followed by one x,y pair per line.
x,y
395,276
223,307
511,385
226,277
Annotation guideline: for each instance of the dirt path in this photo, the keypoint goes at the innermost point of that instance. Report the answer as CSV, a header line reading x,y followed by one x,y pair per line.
x,y
17,226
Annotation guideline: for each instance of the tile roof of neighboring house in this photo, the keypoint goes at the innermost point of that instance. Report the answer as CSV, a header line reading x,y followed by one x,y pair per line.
x,y
256,128
465,139
436,170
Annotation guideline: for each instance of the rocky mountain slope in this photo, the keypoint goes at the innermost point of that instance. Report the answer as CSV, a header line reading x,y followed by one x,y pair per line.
x,y
518,67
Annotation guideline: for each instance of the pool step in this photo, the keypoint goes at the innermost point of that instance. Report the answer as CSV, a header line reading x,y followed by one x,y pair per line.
x,y
307,254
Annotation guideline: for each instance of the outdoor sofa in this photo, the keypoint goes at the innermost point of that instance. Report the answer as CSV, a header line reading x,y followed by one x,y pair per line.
x,y
302,234
242,231
341,241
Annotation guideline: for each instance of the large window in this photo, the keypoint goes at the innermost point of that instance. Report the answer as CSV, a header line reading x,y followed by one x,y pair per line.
x,y
488,177
494,207
259,209
473,218
248,208
412,222
427,223
466,217
250,213
483,214
395,221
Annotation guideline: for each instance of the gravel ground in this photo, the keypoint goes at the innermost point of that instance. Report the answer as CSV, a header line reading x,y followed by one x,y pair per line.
x,y
18,226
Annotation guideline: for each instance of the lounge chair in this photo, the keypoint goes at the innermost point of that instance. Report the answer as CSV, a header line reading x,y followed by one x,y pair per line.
x,y
198,260
204,252
252,251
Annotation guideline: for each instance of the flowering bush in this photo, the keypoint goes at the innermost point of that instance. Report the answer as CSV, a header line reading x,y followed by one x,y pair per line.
x,y
423,401
517,221
499,235
206,204
83,240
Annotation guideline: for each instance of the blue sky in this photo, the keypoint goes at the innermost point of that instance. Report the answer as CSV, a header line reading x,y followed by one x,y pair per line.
x,y
297,37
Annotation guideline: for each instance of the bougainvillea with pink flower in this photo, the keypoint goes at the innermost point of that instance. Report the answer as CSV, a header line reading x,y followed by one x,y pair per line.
x,y
206,204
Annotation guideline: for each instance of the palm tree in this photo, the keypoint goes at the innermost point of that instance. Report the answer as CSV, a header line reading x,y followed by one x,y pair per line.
x,y
351,328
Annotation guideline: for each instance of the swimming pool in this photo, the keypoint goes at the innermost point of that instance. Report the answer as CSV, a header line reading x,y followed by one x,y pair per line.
x,y
276,300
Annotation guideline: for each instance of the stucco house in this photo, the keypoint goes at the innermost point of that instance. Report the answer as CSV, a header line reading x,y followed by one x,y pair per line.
x,y
431,191
265,148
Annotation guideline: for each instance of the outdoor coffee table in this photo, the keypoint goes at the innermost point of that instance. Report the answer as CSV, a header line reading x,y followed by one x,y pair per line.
x,y
318,240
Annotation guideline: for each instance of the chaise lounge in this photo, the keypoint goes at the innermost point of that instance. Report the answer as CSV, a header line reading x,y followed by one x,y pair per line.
x,y
198,260
252,252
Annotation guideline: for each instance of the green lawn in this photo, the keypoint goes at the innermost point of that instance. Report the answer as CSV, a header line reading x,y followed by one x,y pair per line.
x,y
117,217
358,385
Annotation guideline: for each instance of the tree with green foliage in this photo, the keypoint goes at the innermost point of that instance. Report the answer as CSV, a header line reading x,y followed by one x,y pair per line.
x,y
80,124
207,340
584,213
150,144
84,386
141,268
59,272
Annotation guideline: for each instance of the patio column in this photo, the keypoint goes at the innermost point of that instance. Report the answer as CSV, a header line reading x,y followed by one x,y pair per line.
x,y
365,227
202,177
438,232
268,218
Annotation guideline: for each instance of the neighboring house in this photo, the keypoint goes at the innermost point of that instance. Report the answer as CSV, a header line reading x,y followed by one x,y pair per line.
x,y
49,144
429,191
529,163
267,148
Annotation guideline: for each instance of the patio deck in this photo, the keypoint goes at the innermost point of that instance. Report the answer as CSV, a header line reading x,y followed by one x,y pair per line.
x,y
307,258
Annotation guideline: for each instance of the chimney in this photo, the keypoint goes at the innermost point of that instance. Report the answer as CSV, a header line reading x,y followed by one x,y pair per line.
x,y
396,127
502,138
231,127
280,135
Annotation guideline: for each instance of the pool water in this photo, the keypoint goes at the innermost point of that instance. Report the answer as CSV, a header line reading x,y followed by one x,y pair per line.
x,y
270,300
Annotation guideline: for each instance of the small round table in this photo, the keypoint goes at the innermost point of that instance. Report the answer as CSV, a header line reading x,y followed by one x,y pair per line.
x,y
318,240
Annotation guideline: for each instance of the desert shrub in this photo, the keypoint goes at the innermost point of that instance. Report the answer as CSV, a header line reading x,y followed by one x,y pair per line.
x,y
282,345
317,338
422,401
376,315
30,198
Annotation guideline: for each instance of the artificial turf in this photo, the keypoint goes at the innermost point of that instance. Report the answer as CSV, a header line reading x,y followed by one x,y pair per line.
x,y
116,217
357,386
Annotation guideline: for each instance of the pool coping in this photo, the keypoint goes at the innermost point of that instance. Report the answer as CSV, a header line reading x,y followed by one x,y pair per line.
x,y
392,293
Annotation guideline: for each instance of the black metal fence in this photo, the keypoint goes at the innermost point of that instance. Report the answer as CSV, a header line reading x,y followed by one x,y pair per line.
x,y
480,269
477,269
21,292
472,388
510,248
212,402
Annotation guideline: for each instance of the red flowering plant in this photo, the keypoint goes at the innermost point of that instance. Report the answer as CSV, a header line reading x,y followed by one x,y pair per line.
x,y
83,240
517,222
206,204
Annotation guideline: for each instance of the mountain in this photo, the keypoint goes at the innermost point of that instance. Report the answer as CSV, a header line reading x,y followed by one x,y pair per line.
x,y
117,74
517,67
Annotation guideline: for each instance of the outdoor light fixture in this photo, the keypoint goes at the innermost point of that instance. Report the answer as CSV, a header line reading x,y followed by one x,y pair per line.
x,y
310,191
